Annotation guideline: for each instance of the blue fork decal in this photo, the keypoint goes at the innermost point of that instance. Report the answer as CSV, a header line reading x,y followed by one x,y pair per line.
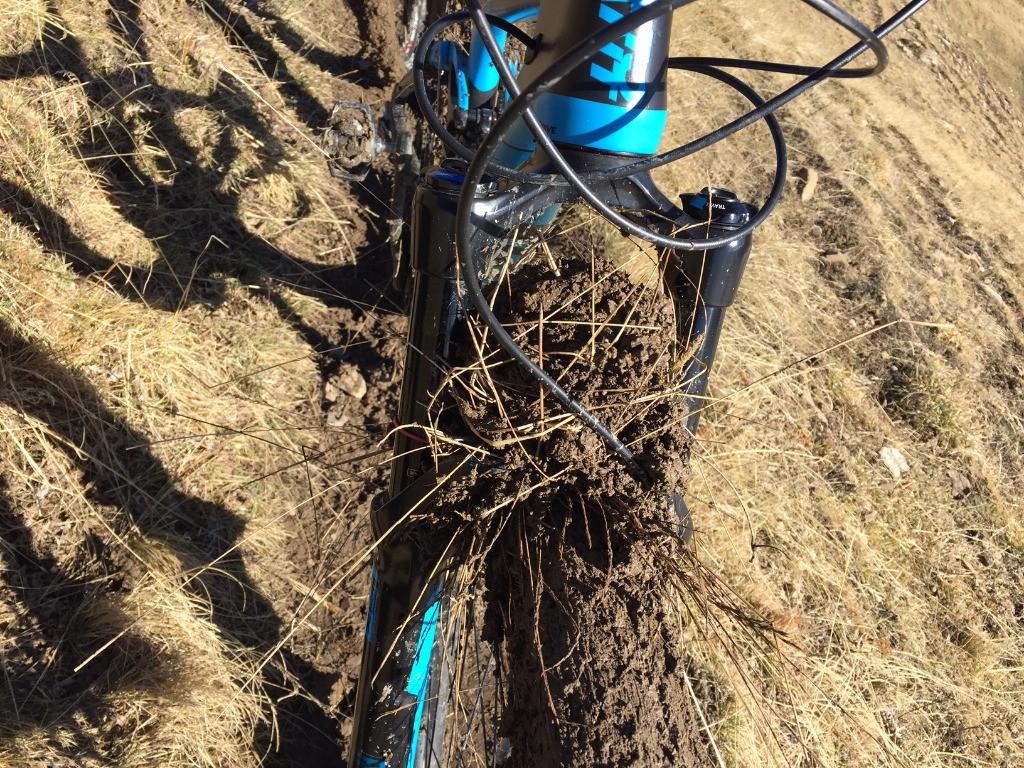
x,y
420,674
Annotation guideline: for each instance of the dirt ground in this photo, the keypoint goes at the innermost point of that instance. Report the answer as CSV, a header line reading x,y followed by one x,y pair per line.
x,y
575,549
199,356
185,190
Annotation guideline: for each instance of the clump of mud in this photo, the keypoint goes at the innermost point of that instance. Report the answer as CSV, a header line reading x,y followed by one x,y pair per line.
x,y
576,581
610,342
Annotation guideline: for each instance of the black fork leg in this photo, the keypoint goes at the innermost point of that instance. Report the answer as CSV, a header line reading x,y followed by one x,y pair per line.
x,y
406,589
704,283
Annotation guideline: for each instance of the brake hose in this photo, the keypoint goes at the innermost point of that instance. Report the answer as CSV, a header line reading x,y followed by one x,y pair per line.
x,y
520,107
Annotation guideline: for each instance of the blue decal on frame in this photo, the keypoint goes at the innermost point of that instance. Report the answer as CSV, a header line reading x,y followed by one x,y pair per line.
x,y
371,614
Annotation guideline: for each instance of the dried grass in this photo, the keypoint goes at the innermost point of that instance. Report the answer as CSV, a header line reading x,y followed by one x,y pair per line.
x,y
130,638
896,593
898,598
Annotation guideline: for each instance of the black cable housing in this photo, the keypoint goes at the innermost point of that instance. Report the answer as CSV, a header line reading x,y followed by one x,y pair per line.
x,y
520,107
814,77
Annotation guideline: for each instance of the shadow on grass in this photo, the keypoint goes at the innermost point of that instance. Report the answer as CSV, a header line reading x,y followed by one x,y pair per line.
x,y
186,206
72,645
49,633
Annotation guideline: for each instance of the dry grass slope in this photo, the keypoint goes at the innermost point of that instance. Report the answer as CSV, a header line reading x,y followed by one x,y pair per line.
x,y
167,236
882,311
178,278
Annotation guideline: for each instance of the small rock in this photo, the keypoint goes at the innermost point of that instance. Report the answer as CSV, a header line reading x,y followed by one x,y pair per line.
x,y
894,461
961,484
331,392
337,419
351,382
810,184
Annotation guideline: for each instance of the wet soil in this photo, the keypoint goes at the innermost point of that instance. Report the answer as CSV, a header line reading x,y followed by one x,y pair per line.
x,y
577,580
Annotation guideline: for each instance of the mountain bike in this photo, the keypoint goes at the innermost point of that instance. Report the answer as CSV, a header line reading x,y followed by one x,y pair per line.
x,y
514,112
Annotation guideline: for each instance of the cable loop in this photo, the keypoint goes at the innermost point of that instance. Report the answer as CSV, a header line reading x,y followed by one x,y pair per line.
x,y
519,107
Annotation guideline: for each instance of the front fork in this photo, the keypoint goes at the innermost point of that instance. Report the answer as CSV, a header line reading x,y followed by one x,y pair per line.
x,y
704,283
407,599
